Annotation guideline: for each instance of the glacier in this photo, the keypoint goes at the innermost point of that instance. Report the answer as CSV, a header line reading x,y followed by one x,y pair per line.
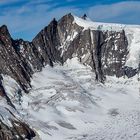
x,y
65,102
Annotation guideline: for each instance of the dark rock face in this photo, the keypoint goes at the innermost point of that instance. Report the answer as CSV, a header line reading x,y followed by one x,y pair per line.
x,y
129,71
104,51
14,64
84,17
47,42
115,52
17,130
10,62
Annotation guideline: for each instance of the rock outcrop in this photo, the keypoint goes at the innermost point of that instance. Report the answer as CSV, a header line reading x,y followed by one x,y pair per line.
x,y
12,128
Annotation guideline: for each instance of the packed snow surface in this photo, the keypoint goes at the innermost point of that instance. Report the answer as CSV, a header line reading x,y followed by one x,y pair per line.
x,y
132,34
66,103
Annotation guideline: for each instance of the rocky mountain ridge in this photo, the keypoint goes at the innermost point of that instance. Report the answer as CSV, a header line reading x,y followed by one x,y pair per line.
x,y
105,51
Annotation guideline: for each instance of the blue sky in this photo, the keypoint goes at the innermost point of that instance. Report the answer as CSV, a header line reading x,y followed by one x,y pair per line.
x,y
25,18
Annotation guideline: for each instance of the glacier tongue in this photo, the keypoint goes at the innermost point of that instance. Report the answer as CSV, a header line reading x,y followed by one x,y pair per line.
x,y
67,103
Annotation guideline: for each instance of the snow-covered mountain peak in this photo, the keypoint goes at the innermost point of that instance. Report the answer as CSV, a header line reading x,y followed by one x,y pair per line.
x,y
132,33
89,24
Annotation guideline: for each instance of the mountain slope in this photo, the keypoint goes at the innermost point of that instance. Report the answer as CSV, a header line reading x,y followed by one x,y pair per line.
x,y
106,51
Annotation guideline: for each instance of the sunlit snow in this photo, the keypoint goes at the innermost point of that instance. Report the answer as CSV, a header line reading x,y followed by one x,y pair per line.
x,y
67,103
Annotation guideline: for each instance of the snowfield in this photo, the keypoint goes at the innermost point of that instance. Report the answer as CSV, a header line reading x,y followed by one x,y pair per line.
x,y
66,103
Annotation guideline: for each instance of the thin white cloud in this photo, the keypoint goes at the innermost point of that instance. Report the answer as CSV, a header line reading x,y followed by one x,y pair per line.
x,y
32,18
7,1
116,11
70,0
